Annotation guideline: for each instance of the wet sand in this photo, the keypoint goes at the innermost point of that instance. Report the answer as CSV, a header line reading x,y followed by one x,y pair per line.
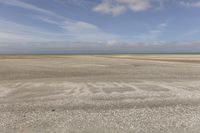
x,y
100,93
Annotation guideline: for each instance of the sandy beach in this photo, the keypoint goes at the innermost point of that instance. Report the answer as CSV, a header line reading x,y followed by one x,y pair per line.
x,y
100,93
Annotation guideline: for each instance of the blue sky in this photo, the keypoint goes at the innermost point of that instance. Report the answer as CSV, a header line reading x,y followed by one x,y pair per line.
x,y
99,25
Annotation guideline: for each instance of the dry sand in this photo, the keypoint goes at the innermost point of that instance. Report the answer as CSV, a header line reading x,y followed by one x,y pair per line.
x,y
103,94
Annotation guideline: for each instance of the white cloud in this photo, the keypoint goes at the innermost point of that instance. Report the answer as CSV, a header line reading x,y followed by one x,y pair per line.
x,y
136,5
28,6
116,7
190,4
190,34
10,31
69,25
4,36
153,34
197,4
107,7
21,4
79,26
47,20
82,31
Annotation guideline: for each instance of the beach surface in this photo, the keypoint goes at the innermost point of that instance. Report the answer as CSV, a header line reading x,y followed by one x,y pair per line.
x,y
100,93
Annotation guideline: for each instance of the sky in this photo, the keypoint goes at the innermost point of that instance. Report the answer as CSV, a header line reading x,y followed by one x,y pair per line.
x,y
99,26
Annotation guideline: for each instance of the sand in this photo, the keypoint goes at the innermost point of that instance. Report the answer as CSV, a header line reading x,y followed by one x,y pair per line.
x,y
100,93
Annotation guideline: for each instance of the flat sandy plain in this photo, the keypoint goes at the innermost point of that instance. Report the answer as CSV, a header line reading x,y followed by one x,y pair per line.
x,y
100,94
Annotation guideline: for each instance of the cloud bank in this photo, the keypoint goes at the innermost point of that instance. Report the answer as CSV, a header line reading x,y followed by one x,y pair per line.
x,y
98,48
